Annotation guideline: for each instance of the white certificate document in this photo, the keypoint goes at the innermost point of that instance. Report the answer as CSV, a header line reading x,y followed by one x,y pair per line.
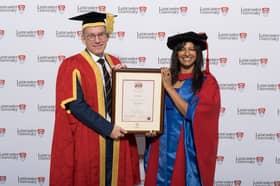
x,y
138,98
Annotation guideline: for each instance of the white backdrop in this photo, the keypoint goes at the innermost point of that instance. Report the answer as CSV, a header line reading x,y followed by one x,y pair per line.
x,y
35,36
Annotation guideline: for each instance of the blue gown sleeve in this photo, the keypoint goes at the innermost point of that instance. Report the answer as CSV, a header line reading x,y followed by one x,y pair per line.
x,y
82,111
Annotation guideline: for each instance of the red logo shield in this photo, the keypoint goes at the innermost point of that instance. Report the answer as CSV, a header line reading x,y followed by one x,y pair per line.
x,y
3,179
239,135
121,34
40,33
2,32
22,156
60,58
21,8
261,111
61,8
237,182
21,58
22,107
223,60
142,9
79,33
243,36
2,131
41,132
265,11
102,8
222,110
41,180
40,83
224,10
241,86
278,136
2,83
220,159
183,10
259,160
263,61
161,35
142,59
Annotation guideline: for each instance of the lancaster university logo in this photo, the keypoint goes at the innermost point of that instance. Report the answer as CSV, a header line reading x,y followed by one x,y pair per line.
x,y
21,8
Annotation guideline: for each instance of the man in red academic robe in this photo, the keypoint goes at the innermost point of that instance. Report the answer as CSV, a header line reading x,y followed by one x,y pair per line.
x,y
87,149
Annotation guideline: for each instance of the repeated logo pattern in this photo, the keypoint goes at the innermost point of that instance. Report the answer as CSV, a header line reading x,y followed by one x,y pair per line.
x,y
244,57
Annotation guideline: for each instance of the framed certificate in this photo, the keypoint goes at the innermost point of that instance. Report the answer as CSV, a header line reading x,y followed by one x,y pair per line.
x,y
138,98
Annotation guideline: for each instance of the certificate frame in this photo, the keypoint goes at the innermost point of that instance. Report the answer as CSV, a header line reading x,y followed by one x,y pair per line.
x,y
138,99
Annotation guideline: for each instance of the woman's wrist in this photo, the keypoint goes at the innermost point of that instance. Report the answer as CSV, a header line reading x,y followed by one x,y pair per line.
x,y
169,89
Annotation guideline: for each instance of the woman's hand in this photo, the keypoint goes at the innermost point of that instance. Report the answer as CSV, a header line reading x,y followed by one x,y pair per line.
x,y
166,77
151,133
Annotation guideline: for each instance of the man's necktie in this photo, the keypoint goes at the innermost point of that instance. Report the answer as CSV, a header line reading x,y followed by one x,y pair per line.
x,y
108,87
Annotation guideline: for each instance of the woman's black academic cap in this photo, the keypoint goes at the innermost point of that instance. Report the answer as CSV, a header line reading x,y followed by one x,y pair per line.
x,y
197,38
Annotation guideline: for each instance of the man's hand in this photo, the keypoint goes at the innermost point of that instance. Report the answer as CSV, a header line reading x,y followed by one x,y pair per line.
x,y
117,132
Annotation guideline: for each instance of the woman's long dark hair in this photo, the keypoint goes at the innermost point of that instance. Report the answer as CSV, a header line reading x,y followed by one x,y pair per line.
x,y
197,71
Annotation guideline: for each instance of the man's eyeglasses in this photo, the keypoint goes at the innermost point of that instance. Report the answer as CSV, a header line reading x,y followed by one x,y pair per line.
x,y
92,37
